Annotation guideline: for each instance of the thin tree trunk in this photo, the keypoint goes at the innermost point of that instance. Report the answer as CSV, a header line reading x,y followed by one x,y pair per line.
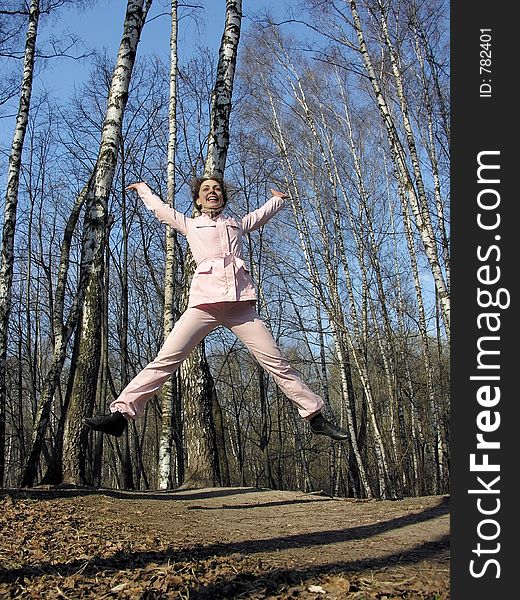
x,y
62,332
96,451
126,466
434,162
169,391
10,209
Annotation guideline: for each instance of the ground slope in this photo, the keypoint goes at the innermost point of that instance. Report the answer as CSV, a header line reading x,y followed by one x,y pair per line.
x,y
221,543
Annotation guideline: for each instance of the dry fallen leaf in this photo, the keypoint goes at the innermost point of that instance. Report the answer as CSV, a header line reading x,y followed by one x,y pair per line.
x,y
316,589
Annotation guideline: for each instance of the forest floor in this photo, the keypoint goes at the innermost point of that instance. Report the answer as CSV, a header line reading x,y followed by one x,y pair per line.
x,y
222,543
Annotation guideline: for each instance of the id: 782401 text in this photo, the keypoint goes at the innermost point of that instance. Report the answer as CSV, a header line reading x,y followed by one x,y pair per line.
x,y
485,63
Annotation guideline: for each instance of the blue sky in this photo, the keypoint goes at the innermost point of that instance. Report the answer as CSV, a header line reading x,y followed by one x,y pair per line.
x,y
100,27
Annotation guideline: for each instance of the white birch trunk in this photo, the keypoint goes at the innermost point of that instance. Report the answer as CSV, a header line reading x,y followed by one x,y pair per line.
x,y
10,209
218,141
168,392
432,153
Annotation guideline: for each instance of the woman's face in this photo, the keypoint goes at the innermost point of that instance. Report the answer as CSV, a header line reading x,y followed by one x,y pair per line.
x,y
210,194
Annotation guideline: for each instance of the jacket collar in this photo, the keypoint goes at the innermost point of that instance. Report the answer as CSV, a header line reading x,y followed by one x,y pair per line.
x,y
216,218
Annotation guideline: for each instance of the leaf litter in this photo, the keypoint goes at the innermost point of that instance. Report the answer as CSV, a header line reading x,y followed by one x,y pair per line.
x,y
122,545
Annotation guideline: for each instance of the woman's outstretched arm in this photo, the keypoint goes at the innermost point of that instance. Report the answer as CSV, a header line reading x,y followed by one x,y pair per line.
x,y
258,217
166,214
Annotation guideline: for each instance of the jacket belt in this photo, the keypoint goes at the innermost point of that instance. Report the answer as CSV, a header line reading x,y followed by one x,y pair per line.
x,y
228,261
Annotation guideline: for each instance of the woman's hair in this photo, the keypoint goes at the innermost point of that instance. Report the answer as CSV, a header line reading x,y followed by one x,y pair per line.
x,y
197,182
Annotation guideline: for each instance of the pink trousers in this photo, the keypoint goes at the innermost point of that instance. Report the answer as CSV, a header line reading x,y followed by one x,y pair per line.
x,y
243,320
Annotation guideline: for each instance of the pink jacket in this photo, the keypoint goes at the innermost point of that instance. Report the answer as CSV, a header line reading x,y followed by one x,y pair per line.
x,y
216,244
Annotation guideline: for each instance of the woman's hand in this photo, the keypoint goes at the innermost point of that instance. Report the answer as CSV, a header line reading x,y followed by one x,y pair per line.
x,y
135,186
282,195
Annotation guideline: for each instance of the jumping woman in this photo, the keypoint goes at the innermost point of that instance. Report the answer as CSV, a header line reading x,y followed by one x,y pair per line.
x,y
221,293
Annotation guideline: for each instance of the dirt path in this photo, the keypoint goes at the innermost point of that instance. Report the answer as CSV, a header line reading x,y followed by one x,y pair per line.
x,y
221,543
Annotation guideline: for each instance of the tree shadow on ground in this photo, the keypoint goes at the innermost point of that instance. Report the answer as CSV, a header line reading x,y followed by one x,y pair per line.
x,y
273,580
256,504
57,492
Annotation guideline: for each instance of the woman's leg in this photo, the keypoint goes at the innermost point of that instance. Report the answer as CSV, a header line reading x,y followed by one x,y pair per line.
x,y
188,331
245,323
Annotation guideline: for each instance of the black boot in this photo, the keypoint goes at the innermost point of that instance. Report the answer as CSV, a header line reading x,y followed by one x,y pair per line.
x,y
113,423
321,426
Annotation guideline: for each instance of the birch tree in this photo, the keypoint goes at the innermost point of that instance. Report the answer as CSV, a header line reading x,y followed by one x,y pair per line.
x,y
10,208
85,383
204,443
170,425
